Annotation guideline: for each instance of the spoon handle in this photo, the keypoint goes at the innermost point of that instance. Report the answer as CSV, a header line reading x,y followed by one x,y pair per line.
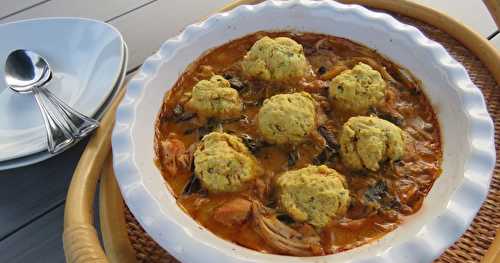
x,y
58,135
79,124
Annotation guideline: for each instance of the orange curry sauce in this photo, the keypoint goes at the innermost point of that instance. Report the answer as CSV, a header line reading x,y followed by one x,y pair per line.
x,y
379,200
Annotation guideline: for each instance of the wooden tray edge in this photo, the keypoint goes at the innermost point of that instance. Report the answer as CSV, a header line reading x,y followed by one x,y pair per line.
x,y
112,218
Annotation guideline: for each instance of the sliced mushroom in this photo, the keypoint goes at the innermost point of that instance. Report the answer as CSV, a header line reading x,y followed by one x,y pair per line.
x,y
283,238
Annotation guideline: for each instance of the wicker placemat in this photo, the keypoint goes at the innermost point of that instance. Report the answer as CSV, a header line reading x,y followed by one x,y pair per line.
x,y
476,241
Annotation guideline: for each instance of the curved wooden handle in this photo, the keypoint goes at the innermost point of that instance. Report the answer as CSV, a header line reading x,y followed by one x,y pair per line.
x,y
493,253
113,225
81,245
494,8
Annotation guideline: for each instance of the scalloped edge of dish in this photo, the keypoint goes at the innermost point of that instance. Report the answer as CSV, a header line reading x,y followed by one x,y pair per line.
x,y
436,235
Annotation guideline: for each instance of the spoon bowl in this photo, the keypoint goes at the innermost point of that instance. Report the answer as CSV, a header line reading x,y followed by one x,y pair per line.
x,y
25,69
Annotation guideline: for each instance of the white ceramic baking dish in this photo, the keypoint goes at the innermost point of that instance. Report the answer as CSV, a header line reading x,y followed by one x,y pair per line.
x,y
467,132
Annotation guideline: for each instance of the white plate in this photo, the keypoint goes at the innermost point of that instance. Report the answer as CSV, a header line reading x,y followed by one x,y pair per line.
x,y
467,130
44,155
86,57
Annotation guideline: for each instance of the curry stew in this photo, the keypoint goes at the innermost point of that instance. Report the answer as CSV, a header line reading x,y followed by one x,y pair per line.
x,y
251,193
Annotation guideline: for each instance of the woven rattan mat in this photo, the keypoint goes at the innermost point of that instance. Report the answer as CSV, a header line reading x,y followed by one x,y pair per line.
x,y
476,241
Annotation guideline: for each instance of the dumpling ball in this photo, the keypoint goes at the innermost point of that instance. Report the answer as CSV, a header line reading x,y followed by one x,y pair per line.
x,y
357,89
314,194
365,142
224,164
215,98
275,59
287,118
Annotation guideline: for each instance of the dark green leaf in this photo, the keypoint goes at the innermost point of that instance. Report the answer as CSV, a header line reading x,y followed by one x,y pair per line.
x,y
193,186
178,110
376,192
285,218
184,116
321,70
293,157
379,193
330,139
253,145
328,154
237,84
211,125
390,117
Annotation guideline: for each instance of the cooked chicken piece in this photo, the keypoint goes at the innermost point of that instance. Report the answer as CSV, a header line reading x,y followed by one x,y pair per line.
x,y
386,227
174,155
283,238
234,212
262,187
352,224
406,189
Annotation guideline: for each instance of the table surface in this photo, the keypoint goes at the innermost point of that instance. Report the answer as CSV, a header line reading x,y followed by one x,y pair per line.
x,y
32,198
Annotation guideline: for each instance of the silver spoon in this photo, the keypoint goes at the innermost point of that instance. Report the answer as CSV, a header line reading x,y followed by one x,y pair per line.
x,y
27,72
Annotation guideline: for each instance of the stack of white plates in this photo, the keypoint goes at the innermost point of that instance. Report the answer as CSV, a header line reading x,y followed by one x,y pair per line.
x,y
89,62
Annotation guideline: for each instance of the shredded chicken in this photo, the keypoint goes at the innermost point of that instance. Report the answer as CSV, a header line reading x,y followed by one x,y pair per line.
x,y
174,155
375,65
206,72
282,237
389,215
320,42
263,186
386,227
234,212
411,153
352,224
406,189
333,72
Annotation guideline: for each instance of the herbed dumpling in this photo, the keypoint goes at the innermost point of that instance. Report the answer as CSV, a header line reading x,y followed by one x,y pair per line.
x,y
287,118
357,89
365,142
224,164
276,59
215,98
314,194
